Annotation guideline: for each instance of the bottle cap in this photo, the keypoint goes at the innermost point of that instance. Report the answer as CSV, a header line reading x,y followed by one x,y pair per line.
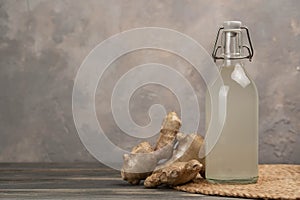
x,y
232,24
232,45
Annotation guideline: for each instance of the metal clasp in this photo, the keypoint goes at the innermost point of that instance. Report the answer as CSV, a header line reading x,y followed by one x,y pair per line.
x,y
217,47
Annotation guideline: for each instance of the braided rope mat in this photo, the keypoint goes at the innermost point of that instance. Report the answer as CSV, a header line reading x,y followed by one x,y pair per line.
x,y
274,182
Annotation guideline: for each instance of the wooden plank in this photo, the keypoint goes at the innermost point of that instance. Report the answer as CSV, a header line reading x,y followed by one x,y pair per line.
x,y
76,181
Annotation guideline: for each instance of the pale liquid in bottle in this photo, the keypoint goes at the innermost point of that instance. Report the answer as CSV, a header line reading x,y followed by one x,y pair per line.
x,y
234,158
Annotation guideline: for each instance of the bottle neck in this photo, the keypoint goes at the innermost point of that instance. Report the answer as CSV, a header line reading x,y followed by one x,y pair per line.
x,y
229,63
231,47
231,42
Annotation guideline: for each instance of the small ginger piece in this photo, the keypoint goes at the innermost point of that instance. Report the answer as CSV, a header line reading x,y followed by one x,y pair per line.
x,y
143,147
169,129
134,168
176,174
187,149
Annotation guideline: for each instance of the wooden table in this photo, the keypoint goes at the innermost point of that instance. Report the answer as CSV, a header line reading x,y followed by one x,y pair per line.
x,y
76,181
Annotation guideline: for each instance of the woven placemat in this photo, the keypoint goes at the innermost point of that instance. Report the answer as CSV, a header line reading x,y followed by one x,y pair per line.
x,y
274,182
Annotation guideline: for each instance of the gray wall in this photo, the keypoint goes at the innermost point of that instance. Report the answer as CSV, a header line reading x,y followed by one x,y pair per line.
x,y
42,44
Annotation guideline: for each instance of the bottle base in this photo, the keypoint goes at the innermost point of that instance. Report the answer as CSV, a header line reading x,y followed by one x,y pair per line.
x,y
234,181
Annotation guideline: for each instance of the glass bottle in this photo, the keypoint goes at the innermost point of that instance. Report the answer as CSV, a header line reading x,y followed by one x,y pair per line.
x,y
234,154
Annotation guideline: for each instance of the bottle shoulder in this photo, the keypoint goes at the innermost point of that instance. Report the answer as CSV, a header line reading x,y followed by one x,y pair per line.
x,y
236,78
236,73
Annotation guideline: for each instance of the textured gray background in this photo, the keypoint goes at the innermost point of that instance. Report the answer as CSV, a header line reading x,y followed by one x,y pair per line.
x,y
42,44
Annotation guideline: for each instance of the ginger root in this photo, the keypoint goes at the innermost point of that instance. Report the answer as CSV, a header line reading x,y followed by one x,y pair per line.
x,y
169,129
175,174
139,164
143,158
187,149
183,163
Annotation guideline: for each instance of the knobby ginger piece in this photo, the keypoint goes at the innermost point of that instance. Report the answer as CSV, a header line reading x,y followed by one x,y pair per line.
x,y
143,147
139,164
187,149
169,129
176,174
143,159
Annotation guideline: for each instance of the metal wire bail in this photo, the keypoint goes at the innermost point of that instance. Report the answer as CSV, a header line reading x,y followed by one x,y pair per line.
x,y
217,47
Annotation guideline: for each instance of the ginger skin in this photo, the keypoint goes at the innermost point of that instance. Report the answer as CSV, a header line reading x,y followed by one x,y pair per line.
x,y
134,168
183,163
176,174
169,130
187,149
143,159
